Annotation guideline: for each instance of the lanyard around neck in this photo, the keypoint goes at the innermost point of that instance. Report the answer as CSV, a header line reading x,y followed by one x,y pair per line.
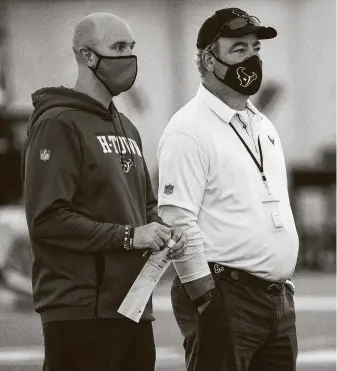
x,y
259,165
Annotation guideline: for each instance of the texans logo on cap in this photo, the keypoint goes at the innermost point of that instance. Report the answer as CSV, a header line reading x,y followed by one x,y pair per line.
x,y
240,13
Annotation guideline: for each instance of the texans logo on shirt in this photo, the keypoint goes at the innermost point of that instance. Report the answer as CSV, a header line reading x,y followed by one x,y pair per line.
x,y
244,78
218,269
127,165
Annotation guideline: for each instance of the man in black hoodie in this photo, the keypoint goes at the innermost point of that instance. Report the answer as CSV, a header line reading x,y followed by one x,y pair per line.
x,y
90,209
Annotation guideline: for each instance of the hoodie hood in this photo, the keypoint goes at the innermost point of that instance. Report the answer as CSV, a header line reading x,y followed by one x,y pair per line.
x,y
47,98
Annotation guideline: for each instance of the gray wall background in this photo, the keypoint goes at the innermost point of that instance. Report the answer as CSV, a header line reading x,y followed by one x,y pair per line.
x,y
300,61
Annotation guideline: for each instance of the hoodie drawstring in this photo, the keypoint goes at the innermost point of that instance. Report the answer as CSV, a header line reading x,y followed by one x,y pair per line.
x,y
121,156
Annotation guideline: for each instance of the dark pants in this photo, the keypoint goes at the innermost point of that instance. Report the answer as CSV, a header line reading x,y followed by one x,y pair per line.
x,y
244,328
99,345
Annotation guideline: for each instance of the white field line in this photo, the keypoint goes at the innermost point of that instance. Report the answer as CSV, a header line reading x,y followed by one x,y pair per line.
x,y
21,355
315,304
35,355
321,356
302,303
163,302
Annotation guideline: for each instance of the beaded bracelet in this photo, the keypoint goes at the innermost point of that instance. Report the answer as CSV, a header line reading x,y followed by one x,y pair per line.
x,y
128,237
132,232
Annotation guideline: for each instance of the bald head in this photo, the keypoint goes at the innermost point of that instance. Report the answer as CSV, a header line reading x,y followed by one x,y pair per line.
x,y
101,32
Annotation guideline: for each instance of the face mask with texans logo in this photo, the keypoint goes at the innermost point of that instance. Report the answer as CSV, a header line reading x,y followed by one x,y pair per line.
x,y
244,77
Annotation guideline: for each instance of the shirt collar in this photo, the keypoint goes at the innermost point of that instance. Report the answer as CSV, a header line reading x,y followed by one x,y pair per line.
x,y
219,107
215,104
252,108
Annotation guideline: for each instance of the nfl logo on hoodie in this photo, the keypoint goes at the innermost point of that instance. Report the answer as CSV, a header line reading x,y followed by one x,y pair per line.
x,y
44,154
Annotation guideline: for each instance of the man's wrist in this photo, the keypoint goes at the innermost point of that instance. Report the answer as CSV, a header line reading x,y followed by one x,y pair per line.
x,y
209,295
199,287
128,237
290,283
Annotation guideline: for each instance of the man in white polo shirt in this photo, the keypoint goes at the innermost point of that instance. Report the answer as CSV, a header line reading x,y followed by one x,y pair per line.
x,y
222,177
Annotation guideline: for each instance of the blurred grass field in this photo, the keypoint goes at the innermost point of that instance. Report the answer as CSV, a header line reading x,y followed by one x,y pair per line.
x,y
21,344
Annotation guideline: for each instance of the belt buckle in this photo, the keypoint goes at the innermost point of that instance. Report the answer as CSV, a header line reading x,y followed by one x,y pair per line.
x,y
275,287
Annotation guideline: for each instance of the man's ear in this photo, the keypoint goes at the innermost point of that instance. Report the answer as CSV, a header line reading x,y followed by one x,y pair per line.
x,y
88,57
208,60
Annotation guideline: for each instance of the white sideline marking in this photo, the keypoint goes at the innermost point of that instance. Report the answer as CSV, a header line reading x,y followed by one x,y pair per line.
x,y
302,303
322,356
169,354
162,303
35,355
315,304
21,355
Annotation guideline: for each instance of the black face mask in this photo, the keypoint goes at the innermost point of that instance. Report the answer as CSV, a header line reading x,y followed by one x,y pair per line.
x,y
117,74
244,77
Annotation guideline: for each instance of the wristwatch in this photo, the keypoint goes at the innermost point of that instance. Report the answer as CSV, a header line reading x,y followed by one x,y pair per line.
x,y
291,285
209,295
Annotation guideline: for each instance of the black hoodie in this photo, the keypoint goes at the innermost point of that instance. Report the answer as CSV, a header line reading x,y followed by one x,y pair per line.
x,y
85,178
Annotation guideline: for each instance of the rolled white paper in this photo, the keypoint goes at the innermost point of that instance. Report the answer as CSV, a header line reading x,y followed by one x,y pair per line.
x,y
139,294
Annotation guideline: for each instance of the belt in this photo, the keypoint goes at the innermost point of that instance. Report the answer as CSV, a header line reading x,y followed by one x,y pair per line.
x,y
247,278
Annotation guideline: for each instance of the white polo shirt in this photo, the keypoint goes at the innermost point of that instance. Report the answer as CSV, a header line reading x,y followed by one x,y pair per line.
x,y
206,171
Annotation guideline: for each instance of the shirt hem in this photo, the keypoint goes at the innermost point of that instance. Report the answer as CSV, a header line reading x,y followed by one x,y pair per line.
x,y
176,203
71,314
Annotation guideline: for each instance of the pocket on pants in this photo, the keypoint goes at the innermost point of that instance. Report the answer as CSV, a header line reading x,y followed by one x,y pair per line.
x,y
184,310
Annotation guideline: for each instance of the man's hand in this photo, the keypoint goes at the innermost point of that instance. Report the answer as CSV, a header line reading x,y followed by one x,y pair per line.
x,y
152,236
180,239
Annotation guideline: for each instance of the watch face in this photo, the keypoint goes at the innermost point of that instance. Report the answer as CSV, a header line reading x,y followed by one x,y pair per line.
x,y
210,295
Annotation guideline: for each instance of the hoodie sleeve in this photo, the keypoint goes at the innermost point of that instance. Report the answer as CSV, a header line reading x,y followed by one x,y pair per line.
x,y
52,169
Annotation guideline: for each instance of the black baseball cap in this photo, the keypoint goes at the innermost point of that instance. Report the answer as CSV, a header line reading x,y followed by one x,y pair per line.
x,y
231,22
